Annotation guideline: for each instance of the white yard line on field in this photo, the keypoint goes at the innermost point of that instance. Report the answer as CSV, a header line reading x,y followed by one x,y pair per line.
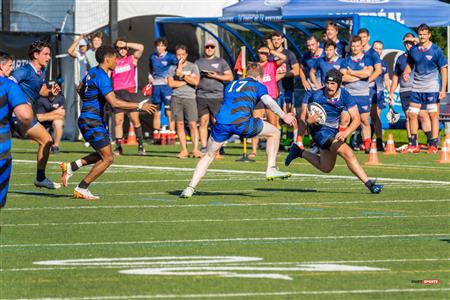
x,y
218,240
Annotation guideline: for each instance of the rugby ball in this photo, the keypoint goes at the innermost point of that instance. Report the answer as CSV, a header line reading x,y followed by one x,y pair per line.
x,y
147,90
315,108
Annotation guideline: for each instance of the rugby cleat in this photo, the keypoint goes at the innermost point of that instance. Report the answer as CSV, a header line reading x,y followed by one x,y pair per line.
x,y
47,183
85,194
376,188
433,150
294,152
274,173
412,149
66,173
141,150
187,192
118,151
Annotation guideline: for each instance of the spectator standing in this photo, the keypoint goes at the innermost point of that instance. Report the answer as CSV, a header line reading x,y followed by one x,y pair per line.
x,y
125,86
183,79
80,54
214,71
96,42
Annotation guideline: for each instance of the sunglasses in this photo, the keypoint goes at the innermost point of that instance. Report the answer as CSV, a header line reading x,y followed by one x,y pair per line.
x,y
121,48
263,53
210,47
408,42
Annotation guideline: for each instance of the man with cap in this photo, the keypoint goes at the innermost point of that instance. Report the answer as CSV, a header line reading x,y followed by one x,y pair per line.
x,y
214,71
80,54
331,141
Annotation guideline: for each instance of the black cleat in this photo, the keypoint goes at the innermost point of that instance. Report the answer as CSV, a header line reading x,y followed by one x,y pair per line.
x,y
294,152
376,188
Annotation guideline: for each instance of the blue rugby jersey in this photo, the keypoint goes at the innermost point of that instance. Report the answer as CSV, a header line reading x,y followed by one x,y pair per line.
x,y
11,96
360,87
374,58
240,98
427,64
400,65
97,85
308,62
323,65
333,106
379,82
160,66
30,81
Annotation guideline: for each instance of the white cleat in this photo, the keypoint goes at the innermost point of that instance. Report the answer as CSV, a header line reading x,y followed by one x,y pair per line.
x,y
274,173
66,173
187,192
85,194
48,184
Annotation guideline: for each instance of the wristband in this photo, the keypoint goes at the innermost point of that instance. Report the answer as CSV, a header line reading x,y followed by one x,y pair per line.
x,y
142,104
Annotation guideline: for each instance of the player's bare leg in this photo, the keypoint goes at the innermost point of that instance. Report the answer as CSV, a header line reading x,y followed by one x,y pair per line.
x,y
182,137
118,130
365,131
257,113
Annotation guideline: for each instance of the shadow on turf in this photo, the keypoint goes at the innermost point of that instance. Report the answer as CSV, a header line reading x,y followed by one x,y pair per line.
x,y
288,190
445,240
197,193
30,193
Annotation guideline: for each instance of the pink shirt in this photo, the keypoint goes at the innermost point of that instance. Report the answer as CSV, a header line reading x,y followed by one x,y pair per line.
x,y
124,74
269,79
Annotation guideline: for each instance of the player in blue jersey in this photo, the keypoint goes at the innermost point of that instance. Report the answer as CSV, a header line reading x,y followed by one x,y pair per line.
x,y
235,117
429,62
31,79
378,102
356,69
331,33
406,90
331,141
324,64
12,100
160,63
95,90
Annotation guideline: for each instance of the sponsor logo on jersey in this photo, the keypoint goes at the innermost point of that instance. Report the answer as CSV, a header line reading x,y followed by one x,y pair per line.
x,y
429,57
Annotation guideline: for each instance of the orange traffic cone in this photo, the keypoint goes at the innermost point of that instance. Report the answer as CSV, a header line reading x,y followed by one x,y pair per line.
x,y
131,139
390,146
373,154
445,153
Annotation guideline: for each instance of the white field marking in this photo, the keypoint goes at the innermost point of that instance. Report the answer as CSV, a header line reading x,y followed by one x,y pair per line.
x,y
352,261
218,240
220,220
242,295
262,173
13,209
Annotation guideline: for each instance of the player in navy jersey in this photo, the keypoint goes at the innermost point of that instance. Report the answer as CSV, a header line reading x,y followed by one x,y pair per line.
x,y
95,90
12,100
235,117
308,61
331,141
160,63
356,69
324,64
31,79
331,33
406,89
429,62
378,102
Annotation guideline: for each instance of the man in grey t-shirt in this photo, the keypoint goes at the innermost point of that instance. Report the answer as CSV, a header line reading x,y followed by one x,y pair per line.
x,y
214,71
183,80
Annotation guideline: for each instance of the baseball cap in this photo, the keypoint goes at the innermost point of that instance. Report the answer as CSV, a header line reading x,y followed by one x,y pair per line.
x,y
210,43
82,43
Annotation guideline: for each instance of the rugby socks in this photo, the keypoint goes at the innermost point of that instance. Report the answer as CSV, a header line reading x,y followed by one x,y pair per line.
x,y
366,143
414,140
428,134
75,165
119,142
434,142
40,174
83,184
299,142
369,183
138,131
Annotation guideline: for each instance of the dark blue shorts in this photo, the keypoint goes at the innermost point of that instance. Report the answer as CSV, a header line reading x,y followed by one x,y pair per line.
x,y
286,97
377,98
424,98
162,95
405,98
363,103
5,173
251,128
95,134
323,136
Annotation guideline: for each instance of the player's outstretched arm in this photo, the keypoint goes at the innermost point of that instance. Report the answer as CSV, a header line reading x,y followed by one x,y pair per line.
x,y
117,103
288,118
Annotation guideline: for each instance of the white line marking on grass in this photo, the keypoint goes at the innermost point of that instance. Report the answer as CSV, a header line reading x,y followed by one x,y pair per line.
x,y
218,220
241,295
218,240
317,203
261,173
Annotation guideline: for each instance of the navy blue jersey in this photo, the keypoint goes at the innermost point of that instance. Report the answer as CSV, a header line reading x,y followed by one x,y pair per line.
x,y
400,66
160,65
333,106
360,87
309,61
340,48
374,59
379,82
11,96
427,64
240,98
323,66
30,81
